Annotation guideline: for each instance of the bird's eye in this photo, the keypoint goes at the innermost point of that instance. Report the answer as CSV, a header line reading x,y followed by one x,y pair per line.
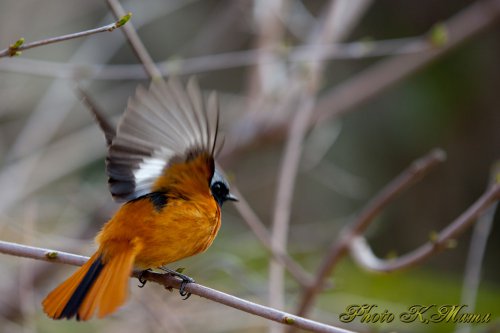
x,y
219,191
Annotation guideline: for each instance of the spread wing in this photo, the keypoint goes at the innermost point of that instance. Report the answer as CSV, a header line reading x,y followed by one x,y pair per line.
x,y
161,123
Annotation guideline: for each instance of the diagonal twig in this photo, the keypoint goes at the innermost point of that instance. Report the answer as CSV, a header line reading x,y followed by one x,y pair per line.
x,y
16,48
408,177
262,234
365,257
135,42
169,281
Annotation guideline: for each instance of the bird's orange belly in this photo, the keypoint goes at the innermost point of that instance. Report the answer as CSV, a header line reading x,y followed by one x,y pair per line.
x,y
179,230
174,241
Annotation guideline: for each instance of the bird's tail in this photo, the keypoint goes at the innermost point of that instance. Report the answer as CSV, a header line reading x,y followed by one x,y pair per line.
x,y
100,284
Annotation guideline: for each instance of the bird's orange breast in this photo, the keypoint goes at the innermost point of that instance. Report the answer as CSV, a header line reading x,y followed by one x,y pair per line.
x,y
179,220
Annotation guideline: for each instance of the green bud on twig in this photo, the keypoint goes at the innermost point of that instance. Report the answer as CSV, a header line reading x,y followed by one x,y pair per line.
x,y
51,255
433,236
124,19
13,48
451,243
438,35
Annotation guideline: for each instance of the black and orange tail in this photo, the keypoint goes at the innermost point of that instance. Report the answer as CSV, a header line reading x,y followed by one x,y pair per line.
x,y
100,285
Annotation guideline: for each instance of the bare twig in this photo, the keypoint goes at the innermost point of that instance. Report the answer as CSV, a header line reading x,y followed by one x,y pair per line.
x,y
441,241
169,281
282,210
408,177
267,76
37,253
289,165
262,234
16,48
135,42
220,61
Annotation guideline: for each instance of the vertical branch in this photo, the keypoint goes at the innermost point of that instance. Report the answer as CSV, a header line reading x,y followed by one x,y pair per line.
x,y
266,75
324,32
135,42
284,196
288,173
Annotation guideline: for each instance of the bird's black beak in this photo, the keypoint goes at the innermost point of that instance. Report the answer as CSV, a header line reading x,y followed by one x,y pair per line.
x,y
231,197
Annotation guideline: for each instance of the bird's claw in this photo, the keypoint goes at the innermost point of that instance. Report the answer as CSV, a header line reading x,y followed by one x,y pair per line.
x,y
182,289
185,280
142,280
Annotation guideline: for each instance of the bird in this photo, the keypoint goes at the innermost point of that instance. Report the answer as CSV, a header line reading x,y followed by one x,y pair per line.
x,y
161,166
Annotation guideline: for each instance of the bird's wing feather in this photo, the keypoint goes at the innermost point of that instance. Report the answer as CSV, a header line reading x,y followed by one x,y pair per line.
x,y
160,123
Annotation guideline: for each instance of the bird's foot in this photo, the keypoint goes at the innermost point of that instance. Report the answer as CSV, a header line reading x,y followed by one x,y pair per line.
x,y
141,278
185,280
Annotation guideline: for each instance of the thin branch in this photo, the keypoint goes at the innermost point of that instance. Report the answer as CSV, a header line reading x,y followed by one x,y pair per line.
x,y
37,253
267,76
335,23
169,281
16,48
262,234
135,42
220,61
289,165
286,183
417,170
446,238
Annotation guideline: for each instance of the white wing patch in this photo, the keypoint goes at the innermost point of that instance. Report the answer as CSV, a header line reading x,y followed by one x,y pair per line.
x,y
148,170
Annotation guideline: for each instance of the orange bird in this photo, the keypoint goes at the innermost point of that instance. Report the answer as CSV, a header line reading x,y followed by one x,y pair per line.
x,y
160,162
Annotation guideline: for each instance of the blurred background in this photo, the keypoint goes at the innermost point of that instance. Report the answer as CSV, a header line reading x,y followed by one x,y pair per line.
x,y
53,190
